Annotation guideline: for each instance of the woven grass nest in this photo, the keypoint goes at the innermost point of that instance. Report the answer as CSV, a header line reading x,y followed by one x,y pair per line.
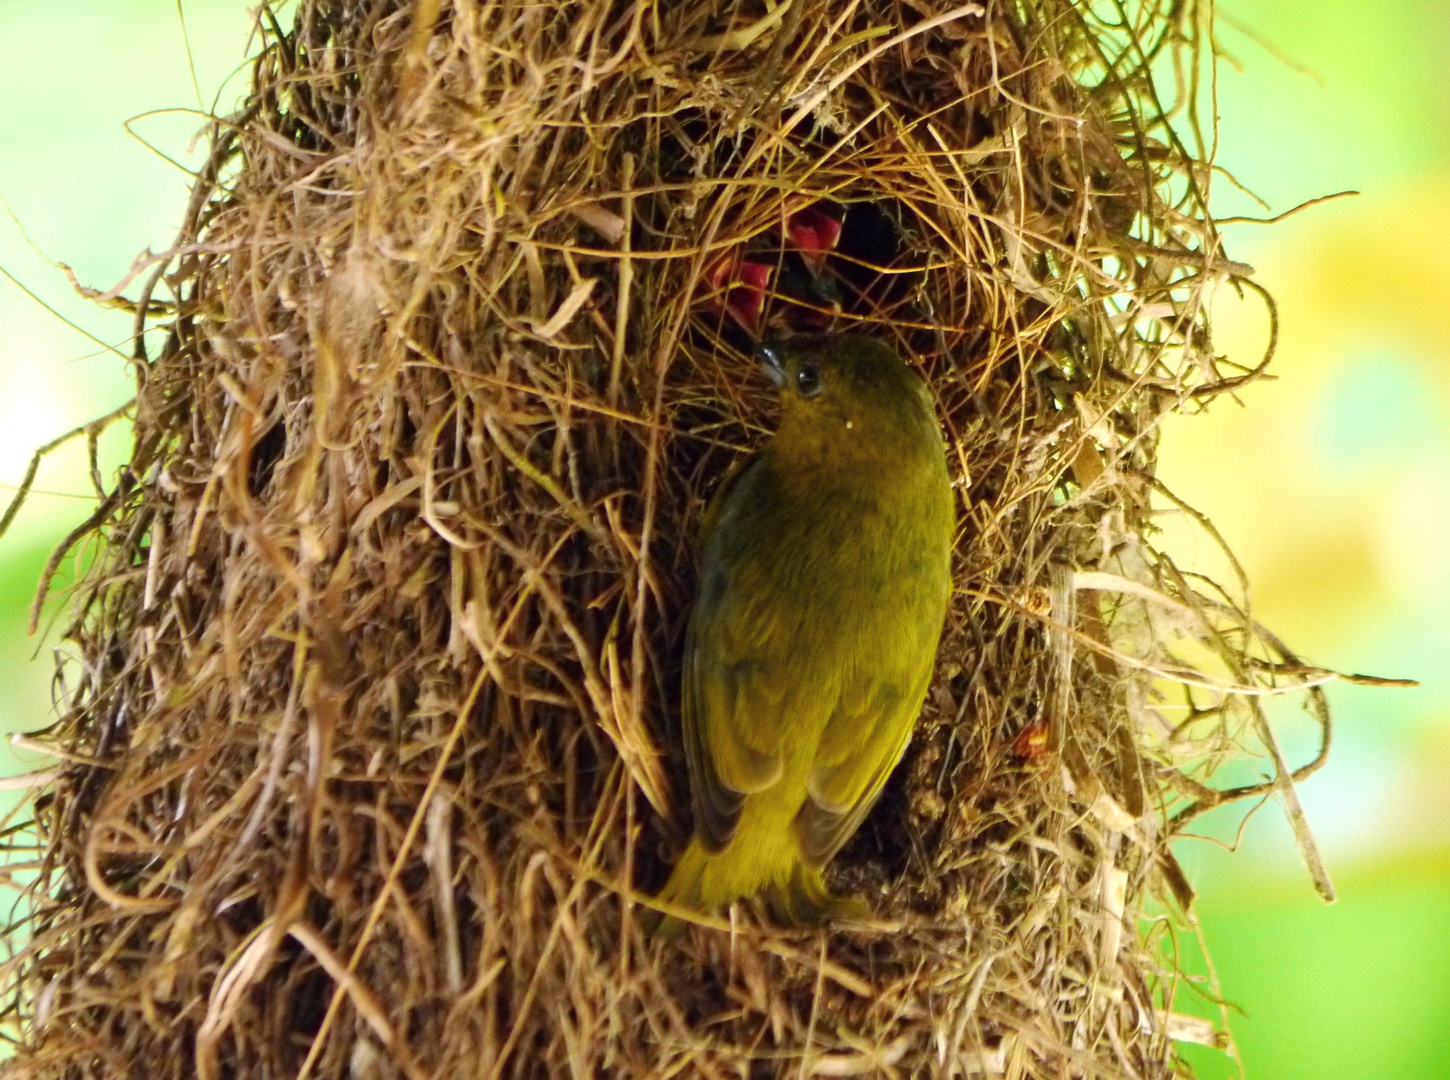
x,y
370,747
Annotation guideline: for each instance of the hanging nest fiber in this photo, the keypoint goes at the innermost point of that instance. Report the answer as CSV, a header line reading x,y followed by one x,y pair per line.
x,y
370,758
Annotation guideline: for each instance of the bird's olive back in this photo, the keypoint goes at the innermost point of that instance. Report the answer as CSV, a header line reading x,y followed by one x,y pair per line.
x,y
824,582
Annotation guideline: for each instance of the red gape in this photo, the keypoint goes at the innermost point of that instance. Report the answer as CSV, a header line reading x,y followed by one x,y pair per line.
x,y
738,283
815,235
738,286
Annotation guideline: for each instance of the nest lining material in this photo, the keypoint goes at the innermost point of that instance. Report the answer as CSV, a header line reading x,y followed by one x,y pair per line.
x,y
370,752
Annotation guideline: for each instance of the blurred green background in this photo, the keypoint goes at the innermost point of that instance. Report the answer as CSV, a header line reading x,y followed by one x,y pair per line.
x,y
1333,484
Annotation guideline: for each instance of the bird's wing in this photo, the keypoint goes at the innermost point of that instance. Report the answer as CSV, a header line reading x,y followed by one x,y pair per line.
x,y
861,744
732,694
716,806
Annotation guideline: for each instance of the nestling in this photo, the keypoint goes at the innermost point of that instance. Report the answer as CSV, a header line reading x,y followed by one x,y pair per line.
x,y
824,583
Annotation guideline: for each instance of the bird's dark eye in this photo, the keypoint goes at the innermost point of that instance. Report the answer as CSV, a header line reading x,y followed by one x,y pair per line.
x,y
808,381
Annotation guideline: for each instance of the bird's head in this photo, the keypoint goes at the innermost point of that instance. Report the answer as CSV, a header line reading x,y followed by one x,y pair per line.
x,y
846,389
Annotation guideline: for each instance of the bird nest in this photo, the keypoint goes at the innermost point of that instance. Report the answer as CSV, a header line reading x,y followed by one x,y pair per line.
x,y
370,756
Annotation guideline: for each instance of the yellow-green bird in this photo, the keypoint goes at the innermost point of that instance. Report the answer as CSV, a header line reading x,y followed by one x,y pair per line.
x,y
823,588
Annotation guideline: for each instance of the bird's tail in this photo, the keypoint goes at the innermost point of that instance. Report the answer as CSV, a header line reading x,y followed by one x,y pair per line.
x,y
706,881
685,889
803,899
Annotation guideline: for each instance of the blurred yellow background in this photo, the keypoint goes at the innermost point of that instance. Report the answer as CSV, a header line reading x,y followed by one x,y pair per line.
x,y
1332,484
1333,487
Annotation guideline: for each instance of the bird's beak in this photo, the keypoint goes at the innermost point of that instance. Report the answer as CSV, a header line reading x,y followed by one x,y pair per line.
x,y
769,354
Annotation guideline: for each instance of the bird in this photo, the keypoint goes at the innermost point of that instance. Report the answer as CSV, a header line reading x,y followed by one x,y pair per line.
x,y
825,576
